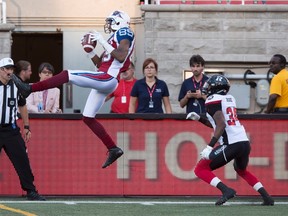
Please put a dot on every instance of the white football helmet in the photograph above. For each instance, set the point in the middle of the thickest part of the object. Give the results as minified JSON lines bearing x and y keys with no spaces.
{"x":118,"y":19}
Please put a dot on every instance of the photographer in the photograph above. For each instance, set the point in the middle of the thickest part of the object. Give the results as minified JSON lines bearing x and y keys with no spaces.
{"x":190,"y":92}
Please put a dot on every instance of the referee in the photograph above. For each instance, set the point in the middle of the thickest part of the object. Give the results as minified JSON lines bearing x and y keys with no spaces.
{"x":11,"y":139}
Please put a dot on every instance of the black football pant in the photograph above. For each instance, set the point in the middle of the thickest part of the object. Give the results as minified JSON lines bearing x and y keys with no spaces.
{"x":223,"y":154}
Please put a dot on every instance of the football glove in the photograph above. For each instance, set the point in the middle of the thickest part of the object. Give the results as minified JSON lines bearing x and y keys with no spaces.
{"x":193,"y":116}
{"x":96,"y":36}
{"x":206,"y":152}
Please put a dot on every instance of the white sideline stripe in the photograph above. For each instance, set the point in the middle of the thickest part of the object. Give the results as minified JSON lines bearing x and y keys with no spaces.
{"x":138,"y":202}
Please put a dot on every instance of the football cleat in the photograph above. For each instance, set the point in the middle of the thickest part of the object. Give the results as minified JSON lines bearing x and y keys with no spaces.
{"x":34,"y":195}
{"x":23,"y":88}
{"x":228,"y":194}
{"x":113,"y":155}
{"x":267,"y":201}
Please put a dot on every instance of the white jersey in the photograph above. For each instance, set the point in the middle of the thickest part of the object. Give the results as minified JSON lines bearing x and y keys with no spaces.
{"x":111,"y":65}
{"x":234,"y":131}
{"x":104,"y":81}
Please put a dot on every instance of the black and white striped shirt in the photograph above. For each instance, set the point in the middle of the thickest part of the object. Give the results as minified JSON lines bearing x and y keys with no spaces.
{"x":9,"y":102}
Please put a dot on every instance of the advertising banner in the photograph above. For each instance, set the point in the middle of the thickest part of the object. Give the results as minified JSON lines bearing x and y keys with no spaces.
{"x":159,"y":158}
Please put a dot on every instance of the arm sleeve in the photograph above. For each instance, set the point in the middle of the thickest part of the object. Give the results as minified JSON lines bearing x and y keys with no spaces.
{"x":125,"y":33}
{"x":134,"y":91}
{"x":166,"y":90}
{"x":21,"y":100}
{"x":275,"y":87}
{"x":182,"y":92}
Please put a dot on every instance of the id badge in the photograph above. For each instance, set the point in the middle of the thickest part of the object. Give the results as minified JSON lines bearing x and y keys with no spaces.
{"x":151,"y":104}
{"x":123,"y":99}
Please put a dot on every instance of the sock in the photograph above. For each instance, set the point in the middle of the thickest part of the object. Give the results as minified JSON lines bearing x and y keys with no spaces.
{"x":52,"y":82}
{"x":248,"y":177}
{"x":253,"y":181}
{"x":100,"y":131}
{"x":222,"y":187}
{"x":263,"y":192}
{"x":203,"y":171}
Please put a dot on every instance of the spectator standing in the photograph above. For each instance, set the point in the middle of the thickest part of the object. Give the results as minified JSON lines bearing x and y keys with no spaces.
{"x":121,"y":95}
{"x":46,"y":101}
{"x":234,"y":144}
{"x":278,"y":98}
{"x":11,"y":139}
{"x":23,"y":70}
{"x":190,"y":93}
{"x":149,"y":92}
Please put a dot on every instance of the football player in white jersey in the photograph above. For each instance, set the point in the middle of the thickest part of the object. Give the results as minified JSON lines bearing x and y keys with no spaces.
{"x":234,"y":145}
{"x":114,"y":60}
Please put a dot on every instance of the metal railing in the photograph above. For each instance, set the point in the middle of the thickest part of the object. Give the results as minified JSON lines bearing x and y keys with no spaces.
{"x":236,"y":2}
{"x":3,"y":11}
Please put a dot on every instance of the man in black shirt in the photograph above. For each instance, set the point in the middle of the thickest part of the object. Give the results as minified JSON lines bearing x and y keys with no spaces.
{"x":11,"y":139}
{"x":190,"y":93}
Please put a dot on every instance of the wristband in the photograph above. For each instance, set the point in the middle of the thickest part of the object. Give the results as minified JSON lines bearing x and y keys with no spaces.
{"x":91,"y":54}
{"x":27,"y":127}
{"x":107,"y":47}
{"x":213,"y":141}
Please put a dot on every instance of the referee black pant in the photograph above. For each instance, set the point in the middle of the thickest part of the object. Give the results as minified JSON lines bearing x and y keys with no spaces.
{"x":13,"y":144}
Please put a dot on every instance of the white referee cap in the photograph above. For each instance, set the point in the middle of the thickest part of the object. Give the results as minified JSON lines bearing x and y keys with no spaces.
{"x":6,"y":62}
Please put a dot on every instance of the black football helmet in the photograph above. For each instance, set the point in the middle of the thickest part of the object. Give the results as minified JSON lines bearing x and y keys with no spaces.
{"x":216,"y":84}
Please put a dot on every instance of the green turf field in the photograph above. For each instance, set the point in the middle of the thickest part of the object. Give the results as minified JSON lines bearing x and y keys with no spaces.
{"x":140,"y":206}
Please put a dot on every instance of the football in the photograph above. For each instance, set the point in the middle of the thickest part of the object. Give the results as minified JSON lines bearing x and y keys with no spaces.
{"x":87,"y":44}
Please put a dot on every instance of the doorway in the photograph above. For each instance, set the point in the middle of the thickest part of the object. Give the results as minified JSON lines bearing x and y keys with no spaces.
{"x":37,"y":48}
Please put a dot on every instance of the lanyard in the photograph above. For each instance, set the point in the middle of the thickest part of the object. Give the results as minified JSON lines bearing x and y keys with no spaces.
{"x":151,"y":91}
{"x":194,"y":83}
{"x":124,"y":89}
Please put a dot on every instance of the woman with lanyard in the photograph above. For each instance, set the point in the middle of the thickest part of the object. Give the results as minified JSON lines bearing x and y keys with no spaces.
{"x":149,"y":92}
{"x":190,"y":93}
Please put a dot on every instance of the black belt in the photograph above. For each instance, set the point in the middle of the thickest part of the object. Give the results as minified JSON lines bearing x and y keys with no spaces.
{"x":281,"y":110}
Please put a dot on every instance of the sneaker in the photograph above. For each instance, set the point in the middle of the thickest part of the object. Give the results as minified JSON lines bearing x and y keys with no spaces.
{"x":23,"y":88}
{"x":33,"y":195}
{"x":228,"y":194}
{"x":114,"y":154}
{"x":268,"y":201}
